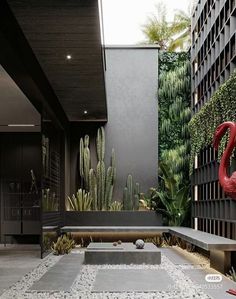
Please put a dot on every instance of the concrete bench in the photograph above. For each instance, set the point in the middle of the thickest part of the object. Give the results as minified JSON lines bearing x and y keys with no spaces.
{"x":117,"y":230}
{"x":220,"y":248}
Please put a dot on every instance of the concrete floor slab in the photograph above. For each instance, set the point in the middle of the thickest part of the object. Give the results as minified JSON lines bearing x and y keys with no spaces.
{"x":15,"y":262}
{"x":179,"y":258}
{"x":132,"y":280}
{"x":62,"y":275}
{"x":215,"y":290}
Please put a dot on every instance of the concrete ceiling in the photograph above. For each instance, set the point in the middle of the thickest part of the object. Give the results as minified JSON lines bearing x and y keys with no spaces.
{"x":15,"y":108}
{"x":55,"y":29}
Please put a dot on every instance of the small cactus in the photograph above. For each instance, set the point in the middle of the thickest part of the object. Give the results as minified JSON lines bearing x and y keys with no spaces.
{"x":116,"y":206}
{"x":131,"y":195}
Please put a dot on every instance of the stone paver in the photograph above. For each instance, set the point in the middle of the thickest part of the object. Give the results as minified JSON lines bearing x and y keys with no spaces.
{"x":62,"y":275}
{"x":178,"y":257}
{"x":132,"y":280}
{"x":15,"y":262}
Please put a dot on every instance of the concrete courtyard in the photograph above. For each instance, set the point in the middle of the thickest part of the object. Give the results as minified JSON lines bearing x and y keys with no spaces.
{"x":180,"y":275}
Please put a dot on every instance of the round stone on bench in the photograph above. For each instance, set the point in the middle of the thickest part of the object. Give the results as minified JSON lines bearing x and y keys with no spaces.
{"x":139,"y":244}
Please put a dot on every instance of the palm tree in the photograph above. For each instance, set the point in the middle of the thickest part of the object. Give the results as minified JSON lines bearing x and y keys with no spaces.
{"x":168,"y":35}
{"x":182,"y":25}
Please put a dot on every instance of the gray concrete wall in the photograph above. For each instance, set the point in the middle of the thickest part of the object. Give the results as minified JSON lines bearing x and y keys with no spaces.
{"x":131,"y":85}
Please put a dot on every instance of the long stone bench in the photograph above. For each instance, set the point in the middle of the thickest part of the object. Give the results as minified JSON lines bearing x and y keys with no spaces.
{"x":220,"y":248}
{"x":101,"y":230}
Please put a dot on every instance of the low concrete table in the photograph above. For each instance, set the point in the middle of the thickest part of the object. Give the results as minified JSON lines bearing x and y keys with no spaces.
{"x":125,"y":253}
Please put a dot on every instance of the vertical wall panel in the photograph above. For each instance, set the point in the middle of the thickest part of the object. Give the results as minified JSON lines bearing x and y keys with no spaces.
{"x":132,"y":128}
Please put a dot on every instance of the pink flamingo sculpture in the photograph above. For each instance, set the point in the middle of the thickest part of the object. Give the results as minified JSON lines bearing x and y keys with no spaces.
{"x":227,"y":183}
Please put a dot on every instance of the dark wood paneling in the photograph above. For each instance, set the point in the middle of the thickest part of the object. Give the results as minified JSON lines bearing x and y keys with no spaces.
{"x":55,"y":29}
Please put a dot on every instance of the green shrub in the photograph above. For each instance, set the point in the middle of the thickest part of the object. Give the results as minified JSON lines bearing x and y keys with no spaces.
{"x":220,"y":108}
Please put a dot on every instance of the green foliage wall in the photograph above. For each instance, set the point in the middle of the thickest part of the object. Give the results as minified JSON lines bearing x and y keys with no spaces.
{"x":220,"y":108}
{"x":174,"y":111}
{"x":168,"y":61}
{"x":174,"y":87}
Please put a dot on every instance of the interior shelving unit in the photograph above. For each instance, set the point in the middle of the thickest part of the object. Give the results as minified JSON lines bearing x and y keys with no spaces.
{"x":21,"y":209}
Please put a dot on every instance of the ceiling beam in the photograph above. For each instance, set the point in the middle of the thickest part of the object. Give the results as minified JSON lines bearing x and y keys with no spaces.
{"x":18,"y":59}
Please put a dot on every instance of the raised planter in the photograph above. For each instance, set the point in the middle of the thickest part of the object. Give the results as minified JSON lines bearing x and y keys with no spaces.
{"x":113,"y":218}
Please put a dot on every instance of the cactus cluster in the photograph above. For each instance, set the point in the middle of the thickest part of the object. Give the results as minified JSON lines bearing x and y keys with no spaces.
{"x":82,"y":201}
{"x":63,"y":245}
{"x":115,"y":206}
{"x":98,"y":183}
{"x":131,"y":195}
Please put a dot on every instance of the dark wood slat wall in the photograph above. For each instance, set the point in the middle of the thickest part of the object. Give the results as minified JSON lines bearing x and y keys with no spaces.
{"x":58,"y":28}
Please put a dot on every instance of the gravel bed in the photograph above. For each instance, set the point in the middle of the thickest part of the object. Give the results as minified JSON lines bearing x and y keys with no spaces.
{"x":83,"y":284}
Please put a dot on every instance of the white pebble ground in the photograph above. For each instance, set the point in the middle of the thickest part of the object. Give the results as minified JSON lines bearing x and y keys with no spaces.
{"x":83,"y":284}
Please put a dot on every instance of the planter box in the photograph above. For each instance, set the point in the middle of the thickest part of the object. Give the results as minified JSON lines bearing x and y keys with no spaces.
{"x":113,"y":218}
{"x":126,"y":253}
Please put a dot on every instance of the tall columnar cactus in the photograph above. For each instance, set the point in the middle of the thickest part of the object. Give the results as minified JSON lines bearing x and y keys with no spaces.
{"x":101,"y":144}
{"x":93,"y":188}
{"x":110,"y":181}
{"x":126,"y":201}
{"x":113,"y":164}
{"x":131,"y":195}
{"x":136,"y":197}
{"x":101,"y":179}
{"x":86,"y":162}
{"x":81,"y":160}
{"x":99,"y":183}
{"x":101,"y":168}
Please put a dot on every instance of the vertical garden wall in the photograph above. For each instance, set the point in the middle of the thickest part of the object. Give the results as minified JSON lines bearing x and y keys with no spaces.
{"x":174,"y":95}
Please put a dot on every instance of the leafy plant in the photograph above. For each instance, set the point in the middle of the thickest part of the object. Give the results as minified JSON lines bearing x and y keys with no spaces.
{"x":116,"y":206}
{"x":82,"y":201}
{"x":172,"y":200}
{"x":232,"y":274}
{"x":220,"y":108}
{"x":63,"y":245}
{"x":148,"y":201}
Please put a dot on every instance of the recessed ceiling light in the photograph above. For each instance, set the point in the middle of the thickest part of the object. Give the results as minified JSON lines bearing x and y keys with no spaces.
{"x":68,"y":57}
{"x":85,"y":112}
